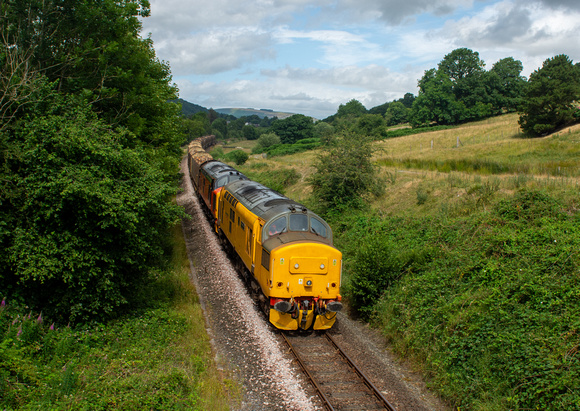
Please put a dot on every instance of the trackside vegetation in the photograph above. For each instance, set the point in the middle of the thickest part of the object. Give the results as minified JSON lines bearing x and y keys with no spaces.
{"x":487,"y":303}
{"x":97,"y":310}
{"x":158,"y":357}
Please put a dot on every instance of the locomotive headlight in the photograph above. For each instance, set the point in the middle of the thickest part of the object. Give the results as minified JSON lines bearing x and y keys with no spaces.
{"x":296,"y":266}
{"x":322,"y":266}
{"x":309,"y":283}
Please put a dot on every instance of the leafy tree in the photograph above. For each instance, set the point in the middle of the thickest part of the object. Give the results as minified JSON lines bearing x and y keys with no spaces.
{"x":466,"y":71}
{"x":461,"y":90}
{"x":267,"y":121}
{"x":506,"y":84}
{"x":461,"y":64}
{"x":381,"y":109}
{"x":268,"y":139}
{"x":221,"y":126}
{"x":250,"y":132}
{"x":436,"y":102}
{"x":371,"y":125}
{"x":87,"y":215}
{"x":196,"y":126}
{"x":90,"y":146}
{"x":345,"y":175}
{"x":293,"y":128}
{"x":324,"y":132}
{"x":95,"y":50}
{"x":353,"y":108}
{"x":552,"y":95}
{"x":212,"y":115}
{"x":253,"y":119}
{"x":407,"y":100}
{"x":397,"y":113}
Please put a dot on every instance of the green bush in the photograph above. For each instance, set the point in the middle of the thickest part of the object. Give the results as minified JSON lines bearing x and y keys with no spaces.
{"x":267,"y":140}
{"x":89,"y":217}
{"x":487,"y":303}
{"x":376,"y":266}
{"x":345,"y":176}
{"x":237,"y":156}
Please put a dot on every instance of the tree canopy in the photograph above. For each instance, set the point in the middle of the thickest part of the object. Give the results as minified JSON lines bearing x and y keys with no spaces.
{"x":461,"y":90}
{"x":90,"y":147}
{"x":293,"y":128}
{"x":552,"y":97}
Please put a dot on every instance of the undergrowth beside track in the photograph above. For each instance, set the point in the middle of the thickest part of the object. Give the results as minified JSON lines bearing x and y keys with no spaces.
{"x":488,"y":303}
{"x":156,"y":358}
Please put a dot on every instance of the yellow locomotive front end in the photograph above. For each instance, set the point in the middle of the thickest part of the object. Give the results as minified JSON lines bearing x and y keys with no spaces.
{"x":304,"y":285}
{"x":285,"y":252}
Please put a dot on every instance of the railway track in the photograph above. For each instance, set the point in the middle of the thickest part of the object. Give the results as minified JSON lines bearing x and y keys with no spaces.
{"x":339,"y":383}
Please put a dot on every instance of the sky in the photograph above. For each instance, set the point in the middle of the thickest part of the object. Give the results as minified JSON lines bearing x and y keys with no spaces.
{"x":311,"y":56}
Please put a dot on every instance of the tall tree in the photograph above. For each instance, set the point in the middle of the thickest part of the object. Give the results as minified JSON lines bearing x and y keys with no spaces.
{"x":293,"y":128}
{"x":353,"y":108}
{"x":90,"y":148}
{"x":466,"y":71}
{"x":94,"y":49}
{"x":551,"y":98}
{"x":397,"y":113}
{"x":506,"y":84}
{"x":436,"y":102}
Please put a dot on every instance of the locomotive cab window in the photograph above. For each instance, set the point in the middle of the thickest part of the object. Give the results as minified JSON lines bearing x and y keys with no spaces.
{"x":317,"y":227}
{"x":298,"y":222}
{"x":277,"y":226}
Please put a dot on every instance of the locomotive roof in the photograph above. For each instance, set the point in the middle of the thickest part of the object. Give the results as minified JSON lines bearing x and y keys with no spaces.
{"x":261,"y":200}
{"x":217,"y":169}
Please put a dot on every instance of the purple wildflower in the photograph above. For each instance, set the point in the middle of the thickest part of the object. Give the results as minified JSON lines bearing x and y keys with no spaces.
{"x":19,"y":331}
{"x":3,"y":304}
{"x":52,"y":327}
{"x":39,"y":319}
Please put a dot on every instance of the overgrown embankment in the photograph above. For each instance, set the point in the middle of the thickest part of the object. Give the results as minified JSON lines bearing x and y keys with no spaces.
{"x":159,"y":357}
{"x":487,"y":304}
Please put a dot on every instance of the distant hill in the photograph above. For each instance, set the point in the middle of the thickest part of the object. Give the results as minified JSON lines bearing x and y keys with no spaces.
{"x":244,"y":112}
{"x":187,"y":108}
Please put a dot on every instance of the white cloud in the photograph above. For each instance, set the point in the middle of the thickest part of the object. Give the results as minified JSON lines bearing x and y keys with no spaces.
{"x":215,"y":51}
{"x":526,"y":31}
{"x":338,"y":47}
{"x":316,"y":92}
{"x":310,"y":56}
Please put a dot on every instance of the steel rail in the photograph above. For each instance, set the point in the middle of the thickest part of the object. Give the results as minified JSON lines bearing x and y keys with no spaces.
{"x":327,"y":404}
{"x":363,"y":377}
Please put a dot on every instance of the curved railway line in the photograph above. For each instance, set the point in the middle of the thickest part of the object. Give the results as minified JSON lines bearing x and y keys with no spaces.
{"x":338,"y":382}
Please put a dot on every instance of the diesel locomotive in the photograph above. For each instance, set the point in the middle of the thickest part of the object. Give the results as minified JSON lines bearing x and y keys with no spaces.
{"x":281,"y":248}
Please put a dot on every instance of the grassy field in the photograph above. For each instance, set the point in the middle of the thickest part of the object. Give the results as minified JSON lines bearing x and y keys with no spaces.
{"x":158,"y":358}
{"x":433,"y":170}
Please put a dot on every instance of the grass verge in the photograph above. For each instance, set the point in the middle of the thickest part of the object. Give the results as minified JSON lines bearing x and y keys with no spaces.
{"x":158,"y":358}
